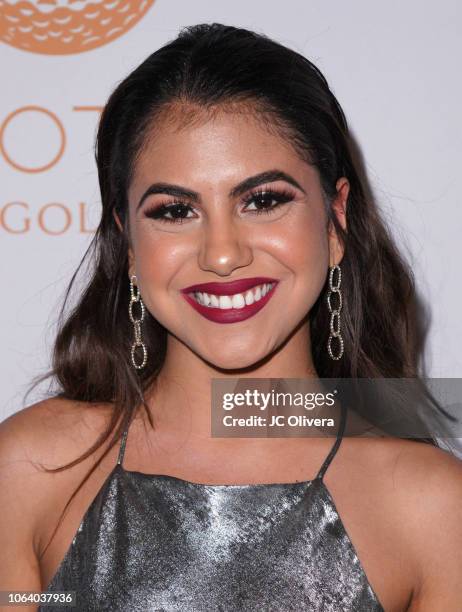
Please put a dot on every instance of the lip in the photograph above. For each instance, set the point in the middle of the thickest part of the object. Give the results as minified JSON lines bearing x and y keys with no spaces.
{"x":231,"y":315}
{"x":231,"y":287}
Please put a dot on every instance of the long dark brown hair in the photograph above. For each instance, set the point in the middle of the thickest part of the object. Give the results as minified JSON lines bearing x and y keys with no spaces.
{"x":208,"y":65}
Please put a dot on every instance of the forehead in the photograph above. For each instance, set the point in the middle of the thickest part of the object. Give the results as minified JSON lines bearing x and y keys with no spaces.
{"x":190,"y":143}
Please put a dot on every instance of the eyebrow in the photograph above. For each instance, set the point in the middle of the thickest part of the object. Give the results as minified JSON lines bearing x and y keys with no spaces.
{"x":248,"y":183}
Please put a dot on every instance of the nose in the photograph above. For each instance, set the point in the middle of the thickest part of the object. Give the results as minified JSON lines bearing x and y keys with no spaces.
{"x":225,"y":247}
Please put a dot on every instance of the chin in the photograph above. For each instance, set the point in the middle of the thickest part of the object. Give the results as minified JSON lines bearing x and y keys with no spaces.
{"x":234,"y":358}
{"x":227,"y":363}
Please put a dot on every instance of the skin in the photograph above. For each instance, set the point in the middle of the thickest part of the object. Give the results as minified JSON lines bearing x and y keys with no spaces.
{"x":390,"y":493}
{"x":223,"y":239}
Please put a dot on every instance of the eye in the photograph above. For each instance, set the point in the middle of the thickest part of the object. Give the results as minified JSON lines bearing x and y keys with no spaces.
{"x":264,"y":201}
{"x":175,"y":212}
{"x":267,"y":200}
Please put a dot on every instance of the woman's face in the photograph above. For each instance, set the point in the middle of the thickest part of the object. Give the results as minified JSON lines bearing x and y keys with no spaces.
{"x":220,"y":200}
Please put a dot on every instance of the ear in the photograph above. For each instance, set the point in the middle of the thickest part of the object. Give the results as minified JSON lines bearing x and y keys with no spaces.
{"x":339,"y":206}
{"x":131,"y":263}
{"x":131,"y":257}
{"x":117,"y":220}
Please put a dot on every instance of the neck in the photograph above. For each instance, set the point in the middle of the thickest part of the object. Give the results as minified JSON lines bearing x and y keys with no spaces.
{"x":180,"y":399}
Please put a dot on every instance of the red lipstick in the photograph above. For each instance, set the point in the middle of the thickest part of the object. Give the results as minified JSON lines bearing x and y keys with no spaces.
{"x":229,"y":315}
{"x":231,"y":287}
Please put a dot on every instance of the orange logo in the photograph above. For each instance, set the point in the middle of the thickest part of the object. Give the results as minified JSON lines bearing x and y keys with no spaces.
{"x":63,"y":27}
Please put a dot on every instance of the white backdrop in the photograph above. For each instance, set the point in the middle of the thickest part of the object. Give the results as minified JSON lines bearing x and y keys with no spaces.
{"x":395,"y":68}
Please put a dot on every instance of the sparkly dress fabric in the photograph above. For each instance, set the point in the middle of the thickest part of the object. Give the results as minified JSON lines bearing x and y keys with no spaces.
{"x":153,"y":542}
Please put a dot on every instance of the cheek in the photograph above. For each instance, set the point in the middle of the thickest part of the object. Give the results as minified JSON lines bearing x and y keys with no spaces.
{"x":301,"y":242}
{"x":156,"y":256}
{"x":157,"y":259}
{"x":303,"y":249}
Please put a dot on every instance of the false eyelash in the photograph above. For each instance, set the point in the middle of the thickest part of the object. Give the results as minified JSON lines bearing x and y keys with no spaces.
{"x":158,"y":212}
{"x":281,"y":196}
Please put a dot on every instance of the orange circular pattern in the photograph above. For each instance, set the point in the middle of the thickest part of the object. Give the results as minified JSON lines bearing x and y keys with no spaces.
{"x":57,"y":122}
{"x":43,"y":26}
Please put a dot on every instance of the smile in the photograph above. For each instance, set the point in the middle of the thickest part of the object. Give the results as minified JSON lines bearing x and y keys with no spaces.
{"x":230,"y":302}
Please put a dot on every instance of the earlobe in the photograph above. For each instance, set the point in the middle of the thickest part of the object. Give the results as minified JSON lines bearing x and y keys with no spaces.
{"x":339,"y":207}
{"x":336,"y":250}
{"x":117,"y":220}
{"x":131,"y":259}
{"x":339,"y":204}
{"x":131,"y":263}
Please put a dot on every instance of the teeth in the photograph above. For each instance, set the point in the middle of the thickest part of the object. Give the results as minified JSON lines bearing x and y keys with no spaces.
{"x":249,"y":299}
{"x":225,"y":302}
{"x":237,"y":300}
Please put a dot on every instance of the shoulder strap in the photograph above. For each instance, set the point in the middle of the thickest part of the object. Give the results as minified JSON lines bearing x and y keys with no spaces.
{"x":320,"y":474}
{"x":122,"y":445}
{"x":334,"y":448}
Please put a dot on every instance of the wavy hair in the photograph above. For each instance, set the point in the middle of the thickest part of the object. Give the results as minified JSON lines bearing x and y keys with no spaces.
{"x":207,"y":66}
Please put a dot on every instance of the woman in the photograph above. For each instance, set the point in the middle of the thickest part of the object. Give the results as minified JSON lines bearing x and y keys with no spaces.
{"x":224,"y":161}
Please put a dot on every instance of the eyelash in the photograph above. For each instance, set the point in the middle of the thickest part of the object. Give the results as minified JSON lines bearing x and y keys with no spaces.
{"x":281,"y":196}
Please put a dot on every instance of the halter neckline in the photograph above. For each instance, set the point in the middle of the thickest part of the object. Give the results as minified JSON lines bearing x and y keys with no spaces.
{"x":319,"y":475}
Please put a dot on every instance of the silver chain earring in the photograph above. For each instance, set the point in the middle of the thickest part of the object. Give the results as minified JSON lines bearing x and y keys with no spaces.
{"x":335,"y":312}
{"x":135,"y":297}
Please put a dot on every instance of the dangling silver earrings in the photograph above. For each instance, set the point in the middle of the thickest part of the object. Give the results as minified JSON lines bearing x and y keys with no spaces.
{"x":135,"y":296}
{"x":335,"y":312}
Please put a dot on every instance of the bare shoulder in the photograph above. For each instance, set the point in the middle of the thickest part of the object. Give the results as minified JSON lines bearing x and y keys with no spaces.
{"x":413,"y":470}
{"x":436,"y":498}
{"x":47,"y":434}
{"x":421,"y":485}
{"x":412,"y":459}
{"x":42,"y":437}
{"x":427,"y":473}
{"x":50,"y":432}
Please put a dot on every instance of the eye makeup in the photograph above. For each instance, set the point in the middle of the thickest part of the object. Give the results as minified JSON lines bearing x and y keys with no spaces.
{"x":270,"y":199}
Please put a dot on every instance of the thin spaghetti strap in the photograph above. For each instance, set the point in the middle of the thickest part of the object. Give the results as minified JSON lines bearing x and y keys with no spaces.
{"x":122,"y":445}
{"x":334,"y":449}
